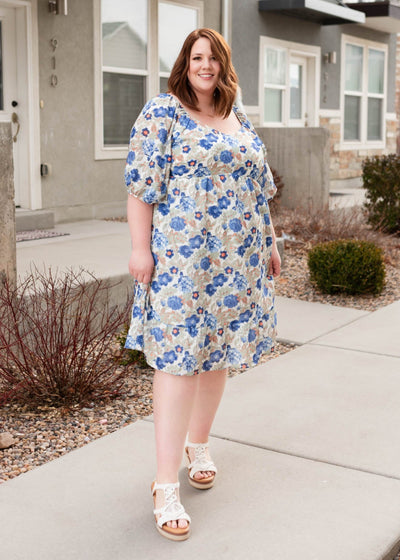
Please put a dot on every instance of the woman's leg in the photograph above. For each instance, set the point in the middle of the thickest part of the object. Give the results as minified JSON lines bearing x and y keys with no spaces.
{"x":208,"y":396}
{"x":173,"y":399}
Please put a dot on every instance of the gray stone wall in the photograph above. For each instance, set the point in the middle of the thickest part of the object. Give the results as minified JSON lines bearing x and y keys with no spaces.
{"x":8,"y":267}
{"x":301,"y":158}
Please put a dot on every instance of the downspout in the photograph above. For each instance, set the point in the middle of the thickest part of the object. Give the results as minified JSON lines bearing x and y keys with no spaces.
{"x":225,"y":17}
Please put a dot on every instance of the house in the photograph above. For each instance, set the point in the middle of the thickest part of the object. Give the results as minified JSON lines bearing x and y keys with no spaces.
{"x":73,"y":76}
{"x":75,"y":73}
{"x":312,"y":63}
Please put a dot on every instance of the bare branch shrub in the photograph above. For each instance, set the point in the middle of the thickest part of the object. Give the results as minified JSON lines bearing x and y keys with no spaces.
{"x":316,"y":226}
{"x":55,"y":331}
{"x":275,"y":202}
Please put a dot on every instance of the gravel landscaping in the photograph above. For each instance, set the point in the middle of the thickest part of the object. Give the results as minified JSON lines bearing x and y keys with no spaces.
{"x":294,"y":281}
{"x":44,"y":433}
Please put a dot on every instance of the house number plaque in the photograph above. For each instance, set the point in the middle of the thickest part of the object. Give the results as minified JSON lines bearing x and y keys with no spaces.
{"x":53,"y":77}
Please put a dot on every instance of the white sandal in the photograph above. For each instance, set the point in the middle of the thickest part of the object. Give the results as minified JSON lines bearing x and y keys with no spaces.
{"x":172,"y":510}
{"x":200,"y":464}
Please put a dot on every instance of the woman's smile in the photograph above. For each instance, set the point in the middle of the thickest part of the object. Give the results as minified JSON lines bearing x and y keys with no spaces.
{"x":204,"y":68}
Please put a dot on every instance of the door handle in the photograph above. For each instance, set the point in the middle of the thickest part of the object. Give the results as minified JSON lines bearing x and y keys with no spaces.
{"x":15,"y":120}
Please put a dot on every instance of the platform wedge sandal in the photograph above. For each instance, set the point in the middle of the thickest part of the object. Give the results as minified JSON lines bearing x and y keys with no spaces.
{"x":172,"y":510}
{"x":200,"y":463}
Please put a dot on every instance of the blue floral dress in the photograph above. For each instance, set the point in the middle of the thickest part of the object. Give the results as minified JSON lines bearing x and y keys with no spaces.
{"x":210,"y":303}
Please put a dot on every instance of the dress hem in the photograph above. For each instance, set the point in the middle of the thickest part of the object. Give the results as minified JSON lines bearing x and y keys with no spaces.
{"x":242,"y":367}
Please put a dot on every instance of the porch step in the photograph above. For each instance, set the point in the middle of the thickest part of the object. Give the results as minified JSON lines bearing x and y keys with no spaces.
{"x":28,"y":220}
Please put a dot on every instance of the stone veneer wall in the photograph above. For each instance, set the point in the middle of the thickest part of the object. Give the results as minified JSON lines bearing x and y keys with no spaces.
{"x":346,"y":164}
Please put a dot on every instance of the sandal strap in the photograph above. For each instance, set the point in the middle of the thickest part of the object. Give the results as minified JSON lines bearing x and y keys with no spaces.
{"x":172,"y":510}
{"x":200,"y":462}
{"x":157,"y":486}
{"x":195,"y":445}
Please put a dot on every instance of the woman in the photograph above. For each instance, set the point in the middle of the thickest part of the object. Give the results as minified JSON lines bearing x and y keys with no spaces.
{"x":203,"y":257}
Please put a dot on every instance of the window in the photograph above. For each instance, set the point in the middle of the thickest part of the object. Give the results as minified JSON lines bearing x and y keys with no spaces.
{"x":136,"y":45}
{"x":364,"y":91}
{"x":169,"y":44}
{"x":274,"y":84}
{"x":124,"y":42}
{"x":289,"y":78}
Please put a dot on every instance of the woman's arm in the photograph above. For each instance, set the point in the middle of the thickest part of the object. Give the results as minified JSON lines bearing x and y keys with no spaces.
{"x":274,"y":266}
{"x":141,"y":262}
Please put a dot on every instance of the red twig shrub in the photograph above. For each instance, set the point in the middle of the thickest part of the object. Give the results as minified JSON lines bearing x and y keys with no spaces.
{"x":274,"y":204}
{"x":55,"y":332}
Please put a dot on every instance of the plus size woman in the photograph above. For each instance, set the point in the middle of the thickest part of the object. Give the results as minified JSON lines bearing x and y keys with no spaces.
{"x":203,"y":257}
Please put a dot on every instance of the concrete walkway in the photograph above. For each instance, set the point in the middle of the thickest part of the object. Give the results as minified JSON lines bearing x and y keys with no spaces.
{"x":307,"y":448}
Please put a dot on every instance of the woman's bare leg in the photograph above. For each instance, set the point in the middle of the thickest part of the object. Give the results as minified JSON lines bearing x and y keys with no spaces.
{"x":173,"y":399}
{"x":207,"y":398}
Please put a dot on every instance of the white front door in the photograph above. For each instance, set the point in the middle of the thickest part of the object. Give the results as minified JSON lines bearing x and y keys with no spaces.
{"x":298,"y":91}
{"x":14,"y":95}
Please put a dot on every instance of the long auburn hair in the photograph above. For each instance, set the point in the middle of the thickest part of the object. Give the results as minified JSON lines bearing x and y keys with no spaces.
{"x":225,"y":91}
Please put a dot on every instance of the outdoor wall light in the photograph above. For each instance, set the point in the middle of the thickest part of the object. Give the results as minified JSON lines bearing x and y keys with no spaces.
{"x":45,"y":169}
{"x":330,"y":57}
{"x":58,"y":7}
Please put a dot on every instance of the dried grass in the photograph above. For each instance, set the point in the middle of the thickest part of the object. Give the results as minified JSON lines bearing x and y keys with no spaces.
{"x":311,"y":226}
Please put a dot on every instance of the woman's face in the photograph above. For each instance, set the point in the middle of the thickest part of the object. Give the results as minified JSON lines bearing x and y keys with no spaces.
{"x":204,"y":69}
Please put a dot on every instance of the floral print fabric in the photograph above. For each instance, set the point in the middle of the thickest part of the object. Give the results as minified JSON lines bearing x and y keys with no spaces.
{"x":210,"y":304}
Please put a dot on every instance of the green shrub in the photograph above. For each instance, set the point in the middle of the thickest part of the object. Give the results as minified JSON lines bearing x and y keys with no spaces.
{"x":381,"y":179}
{"x":347,"y":266}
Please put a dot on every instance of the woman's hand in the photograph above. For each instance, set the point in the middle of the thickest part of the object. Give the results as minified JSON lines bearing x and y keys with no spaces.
{"x":274,"y":266}
{"x":141,"y":265}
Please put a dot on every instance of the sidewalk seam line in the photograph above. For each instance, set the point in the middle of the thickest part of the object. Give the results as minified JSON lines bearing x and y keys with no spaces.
{"x":354,"y":350}
{"x":341,"y":326}
{"x":342,"y":466}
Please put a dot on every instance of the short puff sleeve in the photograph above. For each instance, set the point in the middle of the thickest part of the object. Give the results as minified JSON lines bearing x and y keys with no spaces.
{"x":150,"y":153}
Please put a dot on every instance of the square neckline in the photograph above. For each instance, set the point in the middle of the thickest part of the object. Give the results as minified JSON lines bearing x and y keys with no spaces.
{"x":235,"y":109}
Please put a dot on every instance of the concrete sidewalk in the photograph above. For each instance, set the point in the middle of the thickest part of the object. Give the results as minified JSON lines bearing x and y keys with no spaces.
{"x":307,"y":448}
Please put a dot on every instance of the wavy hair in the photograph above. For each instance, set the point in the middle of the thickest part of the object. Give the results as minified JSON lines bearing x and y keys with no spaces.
{"x":225,"y":91}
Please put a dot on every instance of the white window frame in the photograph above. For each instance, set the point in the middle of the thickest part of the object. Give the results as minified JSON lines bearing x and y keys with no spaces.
{"x":313,"y":55}
{"x":152,"y":74}
{"x":195,"y":4}
{"x":363,"y":143}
